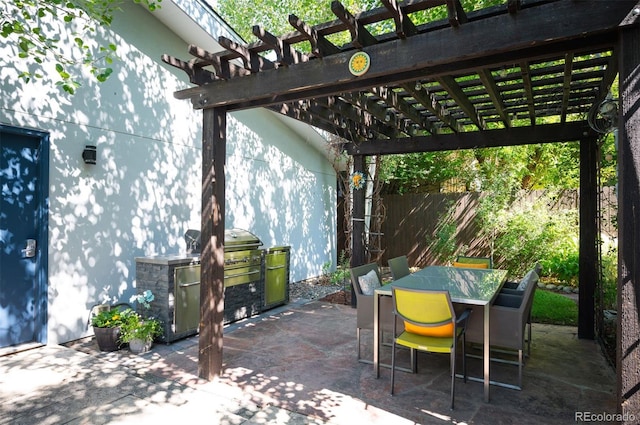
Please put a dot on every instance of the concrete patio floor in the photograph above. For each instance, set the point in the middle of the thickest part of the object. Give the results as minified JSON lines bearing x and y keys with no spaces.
{"x":297,"y":365}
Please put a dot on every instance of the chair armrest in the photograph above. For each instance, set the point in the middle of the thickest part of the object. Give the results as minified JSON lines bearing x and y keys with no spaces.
{"x":508,"y":291}
{"x":510,"y":285}
{"x":461,"y":320}
{"x":506,"y":300}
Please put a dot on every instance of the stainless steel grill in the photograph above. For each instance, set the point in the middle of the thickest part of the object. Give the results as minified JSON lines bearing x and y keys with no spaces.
{"x":242,"y":258}
{"x":243,"y":278}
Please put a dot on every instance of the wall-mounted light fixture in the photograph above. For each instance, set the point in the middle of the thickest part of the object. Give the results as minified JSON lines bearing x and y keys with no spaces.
{"x":89,"y":154}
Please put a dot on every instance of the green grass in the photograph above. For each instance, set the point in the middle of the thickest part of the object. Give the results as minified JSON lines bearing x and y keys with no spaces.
{"x":549,"y":307}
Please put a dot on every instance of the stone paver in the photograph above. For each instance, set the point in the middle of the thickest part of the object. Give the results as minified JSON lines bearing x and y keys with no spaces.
{"x":295,"y":365}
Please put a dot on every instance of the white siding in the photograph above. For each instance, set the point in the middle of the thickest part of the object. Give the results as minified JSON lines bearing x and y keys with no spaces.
{"x":144,"y":191}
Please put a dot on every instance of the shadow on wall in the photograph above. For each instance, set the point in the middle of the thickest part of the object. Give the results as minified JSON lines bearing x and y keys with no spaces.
{"x":144,"y":191}
{"x":283,"y":193}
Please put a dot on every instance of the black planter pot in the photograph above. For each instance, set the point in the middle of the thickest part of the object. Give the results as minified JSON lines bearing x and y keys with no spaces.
{"x":108,"y":339}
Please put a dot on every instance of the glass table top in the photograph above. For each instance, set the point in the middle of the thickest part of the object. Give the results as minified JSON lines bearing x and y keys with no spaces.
{"x":469,"y":286}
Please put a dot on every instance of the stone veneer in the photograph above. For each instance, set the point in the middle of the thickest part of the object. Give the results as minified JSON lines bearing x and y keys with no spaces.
{"x":157,"y":274}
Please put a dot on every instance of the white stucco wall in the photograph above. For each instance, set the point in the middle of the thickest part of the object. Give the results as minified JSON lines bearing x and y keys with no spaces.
{"x":144,"y":191}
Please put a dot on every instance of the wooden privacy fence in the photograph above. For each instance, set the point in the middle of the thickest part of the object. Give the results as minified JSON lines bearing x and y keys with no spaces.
{"x":413,"y":226}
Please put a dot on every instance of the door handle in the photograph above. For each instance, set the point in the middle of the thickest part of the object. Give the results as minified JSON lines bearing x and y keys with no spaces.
{"x":30,"y":250}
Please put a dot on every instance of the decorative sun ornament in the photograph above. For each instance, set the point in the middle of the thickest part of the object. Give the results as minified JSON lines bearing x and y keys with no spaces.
{"x":357,"y":180}
{"x":359,"y":63}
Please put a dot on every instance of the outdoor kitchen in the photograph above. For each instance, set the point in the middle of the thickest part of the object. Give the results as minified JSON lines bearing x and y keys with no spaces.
{"x":255,"y":279}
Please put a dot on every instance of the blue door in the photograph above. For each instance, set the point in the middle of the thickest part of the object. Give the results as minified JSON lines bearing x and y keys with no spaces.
{"x":23,"y":243}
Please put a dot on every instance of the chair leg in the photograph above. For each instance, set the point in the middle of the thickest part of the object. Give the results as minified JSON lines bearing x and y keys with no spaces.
{"x":393,"y":363}
{"x":358,"y":339}
{"x":520,"y":364}
{"x":529,"y":338}
{"x":464,"y":359}
{"x":453,"y":372}
{"x":414,"y":360}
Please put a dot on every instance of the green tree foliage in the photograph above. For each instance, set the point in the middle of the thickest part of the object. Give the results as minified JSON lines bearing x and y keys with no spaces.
{"x":425,"y":172}
{"x":22,"y":24}
{"x":273,"y":15}
{"x":525,"y":230}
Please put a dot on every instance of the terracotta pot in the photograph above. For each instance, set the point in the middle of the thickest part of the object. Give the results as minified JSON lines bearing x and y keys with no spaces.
{"x":108,"y":339}
{"x":140,"y":346}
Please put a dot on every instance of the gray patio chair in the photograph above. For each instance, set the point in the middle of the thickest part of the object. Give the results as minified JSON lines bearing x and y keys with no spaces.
{"x":509,"y":316}
{"x":399,"y":267}
{"x":365,"y":299}
{"x":517,"y":288}
{"x":513,"y":285}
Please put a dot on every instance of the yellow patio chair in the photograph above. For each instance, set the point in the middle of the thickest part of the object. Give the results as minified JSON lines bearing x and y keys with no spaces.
{"x":399,"y":267}
{"x":430,"y":325}
{"x":473,"y":262}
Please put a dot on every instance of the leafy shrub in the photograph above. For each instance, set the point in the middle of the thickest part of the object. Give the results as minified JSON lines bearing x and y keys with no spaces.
{"x":526,"y":232}
{"x":340,"y":274}
{"x":563,"y":264}
{"x":111,"y":318}
{"x":610,"y":277}
{"x":137,"y":327}
{"x":444,"y":242}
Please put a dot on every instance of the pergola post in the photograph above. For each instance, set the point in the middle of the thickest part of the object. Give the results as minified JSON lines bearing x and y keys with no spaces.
{"x":357,"y":222}
{"x":588,"y":261}
{"x":214,"y":143}
{"x":628,"y":349}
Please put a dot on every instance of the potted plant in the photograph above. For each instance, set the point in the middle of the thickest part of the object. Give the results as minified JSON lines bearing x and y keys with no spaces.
{"x":107,"y":325}
{"x":138,"y":331}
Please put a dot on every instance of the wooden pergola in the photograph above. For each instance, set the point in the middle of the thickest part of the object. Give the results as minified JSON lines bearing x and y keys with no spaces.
{"x":525,"y":72}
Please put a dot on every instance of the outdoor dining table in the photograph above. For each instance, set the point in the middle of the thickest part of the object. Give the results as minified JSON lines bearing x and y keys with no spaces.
{"x":468,"y":286}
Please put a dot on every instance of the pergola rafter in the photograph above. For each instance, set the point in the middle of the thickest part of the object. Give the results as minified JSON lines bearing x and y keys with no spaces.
{"x":506,"y":66}
{"x":493,"y":77}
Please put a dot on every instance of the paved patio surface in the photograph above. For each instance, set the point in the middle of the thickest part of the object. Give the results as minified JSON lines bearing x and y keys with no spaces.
{"x":297,"y":365}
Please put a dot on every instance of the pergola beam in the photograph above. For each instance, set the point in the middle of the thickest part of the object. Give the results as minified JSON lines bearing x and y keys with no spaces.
{"x":224,"y":69}
{"x":396,"y":61}
{"x":550,"y":133}
{"x":404,"y":25}
{"x":456,"y":13}
{"x":462,"y":100}
{"x":392,"y":98}
{"x":320,"y":46}
{"x":360,"y":37}
{"x":286,"y":54}
{"x":492,"y":89}
{"x":528,"y":90}
{"x":566,"y":85}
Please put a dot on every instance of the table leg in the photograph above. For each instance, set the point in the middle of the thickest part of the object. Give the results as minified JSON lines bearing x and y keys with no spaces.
{"x":486,"y":352}
{"x":376,"y":335}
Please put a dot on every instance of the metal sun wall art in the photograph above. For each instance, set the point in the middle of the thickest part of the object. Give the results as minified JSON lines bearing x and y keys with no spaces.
{"x":357,"y":180}
{"x":359,"y":63}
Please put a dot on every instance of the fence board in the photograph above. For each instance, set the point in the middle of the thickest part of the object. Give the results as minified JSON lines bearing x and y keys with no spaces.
{"x":411,"y":226}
